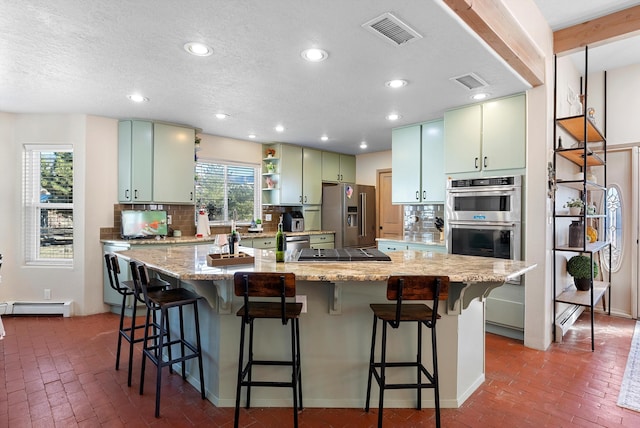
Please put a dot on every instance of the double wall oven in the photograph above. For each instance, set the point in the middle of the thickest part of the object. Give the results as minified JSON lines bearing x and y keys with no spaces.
{"x":484,"y":217}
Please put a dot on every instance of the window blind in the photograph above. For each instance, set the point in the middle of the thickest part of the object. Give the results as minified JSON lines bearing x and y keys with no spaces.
{"x":48,"y":204}
{"x":224,"y":188}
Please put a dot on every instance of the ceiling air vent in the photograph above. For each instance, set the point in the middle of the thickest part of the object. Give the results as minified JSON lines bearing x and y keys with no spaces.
{"x":470,"y":81}
{"x":391,"y":29}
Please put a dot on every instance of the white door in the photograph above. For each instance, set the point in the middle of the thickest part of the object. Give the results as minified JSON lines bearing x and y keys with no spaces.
{"x":620,"y":167}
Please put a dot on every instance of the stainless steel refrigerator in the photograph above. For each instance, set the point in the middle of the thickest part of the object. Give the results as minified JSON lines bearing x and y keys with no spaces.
{"x":350,"y":210}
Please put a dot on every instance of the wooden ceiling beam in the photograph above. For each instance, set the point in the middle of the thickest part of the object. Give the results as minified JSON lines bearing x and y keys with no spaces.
{"x":493,"y":22}
{"x":599,"y":30}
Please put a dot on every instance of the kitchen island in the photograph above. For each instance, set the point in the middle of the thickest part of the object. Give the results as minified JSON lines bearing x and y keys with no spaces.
{"x":336,"y":327}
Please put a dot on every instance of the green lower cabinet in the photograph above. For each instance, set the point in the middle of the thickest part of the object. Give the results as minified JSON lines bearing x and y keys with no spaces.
{"x":323,"y":241}
{"x":264,"y":243}
{"x":390,"y":246}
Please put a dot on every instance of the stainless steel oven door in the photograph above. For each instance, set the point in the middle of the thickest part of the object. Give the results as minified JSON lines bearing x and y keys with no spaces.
{"x":499,"y":205}
{"x":485,"y":239}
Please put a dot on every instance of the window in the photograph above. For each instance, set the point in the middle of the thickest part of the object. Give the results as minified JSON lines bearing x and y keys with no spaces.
{"x":48,"y":204}
{"x":224,"y":189}
{"x":614,"y":228}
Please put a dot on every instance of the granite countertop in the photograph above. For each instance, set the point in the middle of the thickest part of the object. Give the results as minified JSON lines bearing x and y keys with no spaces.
{"x":207,"y":239}
{"x":189,"y":263}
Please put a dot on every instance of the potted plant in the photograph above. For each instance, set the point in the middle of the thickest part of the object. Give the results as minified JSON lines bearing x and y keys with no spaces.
{"x":575,"y":206}
{"x":579,"y":268}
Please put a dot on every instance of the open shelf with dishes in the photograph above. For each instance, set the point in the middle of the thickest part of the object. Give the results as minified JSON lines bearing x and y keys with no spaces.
{"x":585,"y":242}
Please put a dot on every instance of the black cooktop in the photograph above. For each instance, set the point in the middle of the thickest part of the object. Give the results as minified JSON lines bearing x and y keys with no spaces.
{"x":343,"y":255}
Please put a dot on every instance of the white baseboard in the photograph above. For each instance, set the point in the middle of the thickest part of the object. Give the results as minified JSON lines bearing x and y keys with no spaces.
{"x":39,"y":308}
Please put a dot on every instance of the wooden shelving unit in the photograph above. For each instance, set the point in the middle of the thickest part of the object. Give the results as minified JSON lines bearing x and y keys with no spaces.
{"x":587,"y":138}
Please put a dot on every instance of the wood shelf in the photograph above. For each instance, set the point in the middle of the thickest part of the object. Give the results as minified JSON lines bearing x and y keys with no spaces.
{"x":576,"y":155}
{"x":590,"y":248}
{"x":583,"y":298}
{"x":580,"y":184}
{"x":574,"y":125}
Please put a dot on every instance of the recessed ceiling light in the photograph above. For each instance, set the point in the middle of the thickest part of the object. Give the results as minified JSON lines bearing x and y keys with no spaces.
{"x":479,"y":96}
{"x":198,"y":49}
{"x":222,"y":116}
{"x":363,"y":145}
{"x":137,"y":98}
{"x":397,"y":83}
{"x":393,"y":116}
{"x":279,"y":128}
{"x":314,"y":55}
{"x":252,"y":136}
{"x":324,"y":138}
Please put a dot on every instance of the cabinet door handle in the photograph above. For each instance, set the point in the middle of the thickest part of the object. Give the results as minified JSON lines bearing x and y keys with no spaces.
{"x":305,"y":199}
{"x":484,"y":163}
{"x":417,"y":195}
{"x":476,"y":163}
{"x":126,"y":194}
{"x":191,"y":196}
{"x":424,"y":195}
{"x":135,"y":194}
{"x":300,"y":198}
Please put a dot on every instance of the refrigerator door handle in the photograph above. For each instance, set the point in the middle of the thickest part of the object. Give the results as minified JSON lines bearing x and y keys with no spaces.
{"x":363,"y":214}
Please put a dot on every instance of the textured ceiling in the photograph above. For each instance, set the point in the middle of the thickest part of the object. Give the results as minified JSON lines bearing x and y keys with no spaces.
{"x":73,"y":56}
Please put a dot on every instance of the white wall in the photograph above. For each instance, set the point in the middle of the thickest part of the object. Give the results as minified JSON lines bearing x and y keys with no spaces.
{"x":229,"y":149}
{"x":22,"y":282}
{"x":368,"y":164}
{"x":538,"y":309}
{"x":623,"y":105}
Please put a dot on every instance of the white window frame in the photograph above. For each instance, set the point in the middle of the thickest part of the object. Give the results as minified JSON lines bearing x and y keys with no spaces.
{"x":257,"y":193}
{"x":32,"y":205}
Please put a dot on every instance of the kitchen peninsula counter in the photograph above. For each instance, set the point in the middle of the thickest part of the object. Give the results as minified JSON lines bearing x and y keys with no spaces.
{"x":336,"y":325}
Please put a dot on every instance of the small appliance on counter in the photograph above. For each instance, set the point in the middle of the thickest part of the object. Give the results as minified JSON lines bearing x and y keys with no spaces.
{"x":202,"y":225}
{"x":293,"y":221}
{"x":143,"y":224}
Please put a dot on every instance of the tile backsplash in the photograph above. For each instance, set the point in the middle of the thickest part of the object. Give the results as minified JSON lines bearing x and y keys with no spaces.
{"x":419,"y":222}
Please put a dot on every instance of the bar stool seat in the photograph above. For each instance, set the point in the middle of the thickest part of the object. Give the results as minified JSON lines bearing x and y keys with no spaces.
{"x":127,"y":289}
{"x":268,"y":284}
{"x":400,"y":288}
{"x":159,"y":341}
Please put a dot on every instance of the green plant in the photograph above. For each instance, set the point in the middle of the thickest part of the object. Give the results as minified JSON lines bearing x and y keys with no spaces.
{"x":258,"y":221}
{"x":574,"y":202}
{"x":578,"y":267}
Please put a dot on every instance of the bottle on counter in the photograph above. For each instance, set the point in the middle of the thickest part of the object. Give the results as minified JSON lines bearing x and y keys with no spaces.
{"x":234,"y":242}
{"x":280,"y":243}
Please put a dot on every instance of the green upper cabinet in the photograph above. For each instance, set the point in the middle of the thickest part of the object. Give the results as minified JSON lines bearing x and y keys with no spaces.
{"x":135,"y":161}
{"x":486,"y":137}
{"x":297,"y":176}
{"x":463,"y":139}
{"x":504,"y":133}
{"x":173,"y":164}
{"x":338,"y":168}
{"x":311,"y":177}
{"x":290,"y":175}
{"x":417,"y":163}
{"x":155,"y":163}
{"x":347,"y":168}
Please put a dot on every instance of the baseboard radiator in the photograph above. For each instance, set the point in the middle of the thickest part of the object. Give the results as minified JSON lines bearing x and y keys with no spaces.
{"x":565,"y":320}
{"x":39,"y":308}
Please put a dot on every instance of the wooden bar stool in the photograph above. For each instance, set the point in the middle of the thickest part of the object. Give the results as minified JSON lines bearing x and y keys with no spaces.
{"x":155,"y":345}
{"x":272,"y":284}
{"x":126,"y":289}
{"x":401,"y":288}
